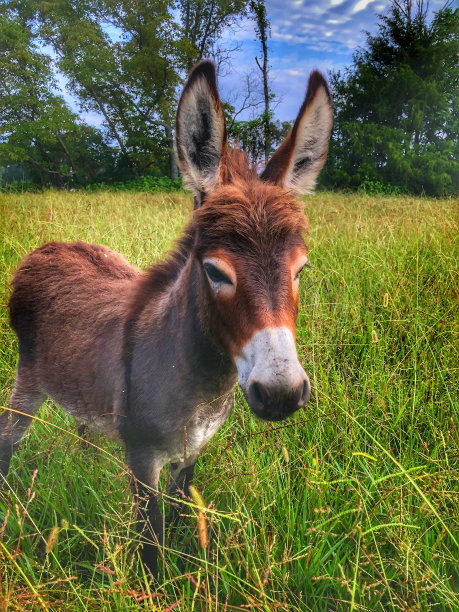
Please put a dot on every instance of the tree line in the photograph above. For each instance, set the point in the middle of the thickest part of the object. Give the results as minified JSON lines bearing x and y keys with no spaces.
{"x":396,"y":108}
{"x":125,"y":60}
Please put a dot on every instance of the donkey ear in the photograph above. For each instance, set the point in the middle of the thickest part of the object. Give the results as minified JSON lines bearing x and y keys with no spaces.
{"x":200,"y":131}
{"x":297,"y":162}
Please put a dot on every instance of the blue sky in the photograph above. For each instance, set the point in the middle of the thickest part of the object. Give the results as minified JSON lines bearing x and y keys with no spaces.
{"x":305,"y":34}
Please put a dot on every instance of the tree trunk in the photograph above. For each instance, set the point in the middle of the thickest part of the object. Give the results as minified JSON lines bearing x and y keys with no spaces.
{"x":39,"y":169}
{"x":55,"y":175}
{"x":259,"y":8}
{"x":173,"y":167}
{"x":67,"y":153}
{"x":113,"y":129}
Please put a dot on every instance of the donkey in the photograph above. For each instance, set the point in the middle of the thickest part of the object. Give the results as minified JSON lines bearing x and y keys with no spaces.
{"x":152,"y":358}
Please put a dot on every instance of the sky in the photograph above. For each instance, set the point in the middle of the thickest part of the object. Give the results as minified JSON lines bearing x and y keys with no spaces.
{"x":305,"y":34}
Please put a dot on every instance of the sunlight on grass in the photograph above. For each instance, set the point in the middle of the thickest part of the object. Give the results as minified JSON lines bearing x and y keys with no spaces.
{"x":352,"y":504}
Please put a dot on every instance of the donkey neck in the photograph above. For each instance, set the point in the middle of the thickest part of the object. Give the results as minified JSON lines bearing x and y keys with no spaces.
{"x":180,"y":313}
{"x":207,"y":358}
{"x":173,"y":354}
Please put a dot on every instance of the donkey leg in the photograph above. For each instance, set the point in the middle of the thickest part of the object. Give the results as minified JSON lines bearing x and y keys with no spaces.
{"x":146,"y":468}
{"x":24,"y":404}
{"x":83,"y":433}
{"x":181,"y":477}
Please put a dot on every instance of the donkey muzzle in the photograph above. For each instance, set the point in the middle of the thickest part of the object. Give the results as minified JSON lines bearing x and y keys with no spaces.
{"x":272,"y":403}
{"x":274,"y":383}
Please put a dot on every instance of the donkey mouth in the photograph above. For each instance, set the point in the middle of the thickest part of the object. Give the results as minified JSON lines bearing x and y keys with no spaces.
{"x":272,"y":415}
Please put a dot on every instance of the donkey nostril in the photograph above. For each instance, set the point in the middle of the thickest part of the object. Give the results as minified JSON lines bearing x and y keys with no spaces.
{"x":258,"y":393}
{"x":306,"y":394}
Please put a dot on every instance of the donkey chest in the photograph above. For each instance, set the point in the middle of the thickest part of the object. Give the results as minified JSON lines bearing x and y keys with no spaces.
{"x":192,"y":435}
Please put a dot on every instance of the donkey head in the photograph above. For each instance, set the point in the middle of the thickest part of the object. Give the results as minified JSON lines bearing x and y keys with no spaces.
{"x":249,"y":238}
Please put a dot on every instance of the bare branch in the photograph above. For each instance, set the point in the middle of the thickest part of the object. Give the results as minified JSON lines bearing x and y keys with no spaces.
{"x":252,"y":98}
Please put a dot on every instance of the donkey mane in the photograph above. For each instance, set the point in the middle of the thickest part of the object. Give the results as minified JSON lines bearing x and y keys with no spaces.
{"x":236,"y":166}
{"x":158,"y":278}
{"x":246,"y":210}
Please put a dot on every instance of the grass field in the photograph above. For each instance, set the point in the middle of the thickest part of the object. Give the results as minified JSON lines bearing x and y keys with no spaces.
{"x":350,"y":505}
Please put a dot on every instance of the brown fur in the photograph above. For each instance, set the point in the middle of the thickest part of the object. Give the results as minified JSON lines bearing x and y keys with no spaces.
{"x":40,"y":286}
{"x":258,"y":225}
{"x":152,"y":356}
{"x":247,"y":210}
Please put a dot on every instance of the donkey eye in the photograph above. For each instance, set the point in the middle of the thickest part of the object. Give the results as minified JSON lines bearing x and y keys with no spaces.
{"x":215,"y":275}
{"x":297,"y":276}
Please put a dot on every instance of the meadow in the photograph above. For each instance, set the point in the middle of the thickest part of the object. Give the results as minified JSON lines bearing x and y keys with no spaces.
{"x":350,"y":505}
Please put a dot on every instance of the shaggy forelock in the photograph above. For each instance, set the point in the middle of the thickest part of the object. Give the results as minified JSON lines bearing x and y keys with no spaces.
{"x":248,"y":210}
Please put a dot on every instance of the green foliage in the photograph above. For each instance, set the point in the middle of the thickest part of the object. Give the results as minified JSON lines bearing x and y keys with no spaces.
{"x":349,"y":505}
{"x":125,"y":61}
{"x":37,"y":129}
{"x":375,"y":187}
{"x":121,"y":59}
{"x":16,"y":186}
{"x":251,"y":135}
{"x":149,"y":184}
{"x":396,"y":108}
{"x":202,"y":23}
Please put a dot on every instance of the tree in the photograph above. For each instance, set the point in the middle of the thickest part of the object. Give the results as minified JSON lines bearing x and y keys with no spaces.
{"x":251,"y":135}
{"x":36,"y":126}
{"x":123,"y":60}
{"x":202,"y":23}
{"x":126,"y":59}
{"x":260,"y":135}
{"x":396,"y":107}
{"x":258,"y":8}
{"x":119,"y":58}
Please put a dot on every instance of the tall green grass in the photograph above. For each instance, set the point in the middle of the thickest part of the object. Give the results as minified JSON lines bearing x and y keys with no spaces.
{"x":352,"y":504}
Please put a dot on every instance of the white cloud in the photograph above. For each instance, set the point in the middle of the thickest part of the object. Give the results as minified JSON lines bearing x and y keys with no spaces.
{"x":361,"y":5}
{"x":296,"y":72}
